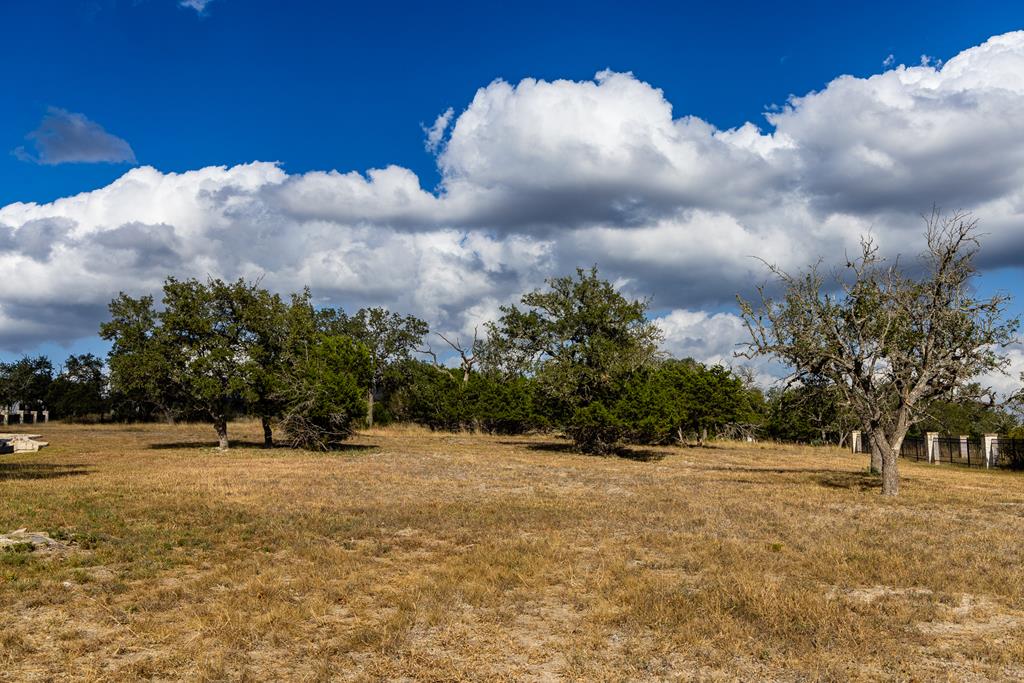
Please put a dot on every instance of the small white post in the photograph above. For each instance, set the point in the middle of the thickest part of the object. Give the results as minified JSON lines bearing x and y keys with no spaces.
{"x":963,"y":447}
{"x":5,"y":417}
{"x":991,"y":449}
{"x":21,"y":417}
{"x":35,"y":417}
{"x":46,"y":416}
{"x":855,"y":441}
{"x":932,"y":443}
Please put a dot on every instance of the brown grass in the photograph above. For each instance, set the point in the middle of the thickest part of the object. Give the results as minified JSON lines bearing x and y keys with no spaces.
{"x":421,"y":556}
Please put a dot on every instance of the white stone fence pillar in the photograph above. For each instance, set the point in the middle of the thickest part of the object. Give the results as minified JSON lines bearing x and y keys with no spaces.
{"x":855,"y":441}
{"x":991,"y":442}
{"x":931,"y":443}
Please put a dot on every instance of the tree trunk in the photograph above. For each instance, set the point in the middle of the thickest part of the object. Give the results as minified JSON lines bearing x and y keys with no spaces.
{"x":168,"y":416}
{"x":221,"y":425}
{"x":876,"y":455}
{"x":890,"y":472}
{"x":268,"y":433}
{"x":369,"y":407}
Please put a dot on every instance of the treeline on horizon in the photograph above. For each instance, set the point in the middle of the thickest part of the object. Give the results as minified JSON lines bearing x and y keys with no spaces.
{"x":576,"y":358}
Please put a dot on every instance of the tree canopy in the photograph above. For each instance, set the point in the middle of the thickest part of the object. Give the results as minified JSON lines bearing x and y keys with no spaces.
{"x":583,"y":341}
{"x":889,"y":339}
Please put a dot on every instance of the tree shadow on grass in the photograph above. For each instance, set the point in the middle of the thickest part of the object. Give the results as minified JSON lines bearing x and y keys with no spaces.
{"x":835,"y":479}
{"x":861,"y":481}
{"x":13,"y":471}
{"x":255,"y":445}
{"x":629,"y":453}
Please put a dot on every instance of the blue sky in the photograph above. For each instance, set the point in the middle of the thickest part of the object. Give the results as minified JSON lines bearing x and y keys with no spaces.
{"x":320,"y":85}
{"x":317,"y":86}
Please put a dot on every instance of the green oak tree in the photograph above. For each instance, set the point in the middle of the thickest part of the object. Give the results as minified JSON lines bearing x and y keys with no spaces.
{"x":582,"y":341}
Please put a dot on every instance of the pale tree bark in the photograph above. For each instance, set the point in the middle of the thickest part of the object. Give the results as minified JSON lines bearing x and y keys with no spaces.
{"x":876,"y":456}
{"x":369,"y":407}
{"x":467,"y":356}
{"x":890,"y":472}
{"x":221,"y":425}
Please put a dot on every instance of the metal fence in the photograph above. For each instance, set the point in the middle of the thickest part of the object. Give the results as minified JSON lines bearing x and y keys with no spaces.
{"x":967,"y":451}
{"x":1009,"y":453}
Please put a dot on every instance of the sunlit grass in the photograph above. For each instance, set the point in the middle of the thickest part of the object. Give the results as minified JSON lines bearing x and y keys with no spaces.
{"x":464,"y":557}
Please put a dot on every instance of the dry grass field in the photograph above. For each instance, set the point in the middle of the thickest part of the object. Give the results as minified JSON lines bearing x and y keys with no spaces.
{"x":420,"y":556}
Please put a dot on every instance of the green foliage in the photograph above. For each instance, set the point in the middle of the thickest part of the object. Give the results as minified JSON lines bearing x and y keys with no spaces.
{"x":322,"y":391}
{"x":140,"y":361}
{"x":26,"y":382}
{"x":218,"y":348}
{"x":440,"y":399}
{"x":966,"y":416}
{"x":811,"y":412}
{"x":651,"y":409}
{"x":677,"y":399}
{"x":389,"y":338}
{"x":79,"y":390}
{"x":582,"y":341}
{"x":213,"y":349}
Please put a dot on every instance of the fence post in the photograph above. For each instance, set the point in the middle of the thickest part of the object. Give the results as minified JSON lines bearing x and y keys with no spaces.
{"x":991,"y":449}
{"x":932,"y":445}
{"x":964,"y":452}
{"x":46,"y":416}
{"x":855,"y":441}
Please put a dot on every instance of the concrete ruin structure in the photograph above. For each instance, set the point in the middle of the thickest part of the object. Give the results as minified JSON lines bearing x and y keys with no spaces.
{"x":21,"y":443}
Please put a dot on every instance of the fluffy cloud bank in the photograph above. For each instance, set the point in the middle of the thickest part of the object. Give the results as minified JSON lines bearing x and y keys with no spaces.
{"x":540,"y":177}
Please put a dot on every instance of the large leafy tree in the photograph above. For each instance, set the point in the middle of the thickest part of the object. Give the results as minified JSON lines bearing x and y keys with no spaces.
{"x":890,"y":340}
{"x":216,"y":348}
{"x":583,"y":341}
{"x":194,"y":355}
{"x":713,"y":396}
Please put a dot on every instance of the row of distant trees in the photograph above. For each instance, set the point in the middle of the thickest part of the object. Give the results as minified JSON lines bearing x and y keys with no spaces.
{"x":694,"y":400}
{"x":577,"y":357}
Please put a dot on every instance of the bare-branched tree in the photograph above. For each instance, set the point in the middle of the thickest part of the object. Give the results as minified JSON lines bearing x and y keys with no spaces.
{"x":888,"y":340}
{"x":468,"y":357}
